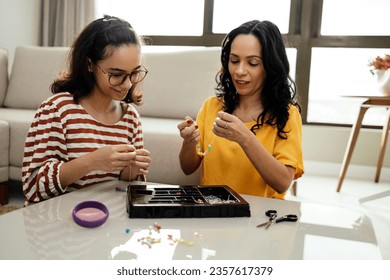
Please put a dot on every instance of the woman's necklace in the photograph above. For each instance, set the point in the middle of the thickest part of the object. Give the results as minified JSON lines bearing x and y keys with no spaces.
{"x":209,"y":146}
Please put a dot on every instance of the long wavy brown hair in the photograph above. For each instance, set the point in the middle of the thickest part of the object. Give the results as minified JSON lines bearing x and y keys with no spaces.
{"x":279,"y":91}
{"x":96,"y":42}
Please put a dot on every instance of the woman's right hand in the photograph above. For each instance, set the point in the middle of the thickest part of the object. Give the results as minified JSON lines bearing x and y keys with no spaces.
{"x":112,"y":158}
{"x":189,"y":131}
{"x":189,"y":160}
{"x":108,"y":158}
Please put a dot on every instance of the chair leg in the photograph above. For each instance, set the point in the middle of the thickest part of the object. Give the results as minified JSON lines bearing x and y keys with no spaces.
{"x":294,"y":188}
{"x":351,"y":145}
{"x":3,"y":194}
{"x":383,"y":146}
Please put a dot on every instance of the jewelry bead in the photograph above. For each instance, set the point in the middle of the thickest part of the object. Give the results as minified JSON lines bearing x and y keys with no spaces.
{"x":209,"y":147}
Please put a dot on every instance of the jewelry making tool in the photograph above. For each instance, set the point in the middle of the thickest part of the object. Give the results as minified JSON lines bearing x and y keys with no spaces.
{"x":272,"y":214}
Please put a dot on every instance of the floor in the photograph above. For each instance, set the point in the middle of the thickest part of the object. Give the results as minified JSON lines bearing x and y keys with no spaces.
{"x":322,"y":190}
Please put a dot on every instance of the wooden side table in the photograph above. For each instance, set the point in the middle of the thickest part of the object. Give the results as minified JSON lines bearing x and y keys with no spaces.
{"x":370,"y":101}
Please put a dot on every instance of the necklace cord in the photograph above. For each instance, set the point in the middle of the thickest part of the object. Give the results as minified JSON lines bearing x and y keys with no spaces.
{"x":206,"y":151}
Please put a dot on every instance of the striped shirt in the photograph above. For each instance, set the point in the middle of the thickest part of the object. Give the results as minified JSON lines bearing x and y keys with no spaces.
{"x":61,"y":131}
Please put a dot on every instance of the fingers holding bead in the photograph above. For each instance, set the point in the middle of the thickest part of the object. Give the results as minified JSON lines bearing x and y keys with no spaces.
{"x":221,"y":123}
{"x":142,"y":159}
{"x":190,"y":135}
{"x":189,"y":130}
{"x":187,"y":122}
{"x":224,"y":127}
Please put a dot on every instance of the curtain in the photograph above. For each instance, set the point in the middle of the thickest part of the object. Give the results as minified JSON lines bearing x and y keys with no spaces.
{"x":62,"y":20}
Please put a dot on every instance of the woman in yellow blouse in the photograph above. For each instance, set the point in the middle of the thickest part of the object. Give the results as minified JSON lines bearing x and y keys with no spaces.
{"x":248,"y":136}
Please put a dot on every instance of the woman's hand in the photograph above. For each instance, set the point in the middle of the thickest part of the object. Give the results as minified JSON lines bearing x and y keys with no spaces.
{"x":189,"y":131}
{"x":112,"y":158}
{"x":138,"y":165}
{"x":230,"y":127}
{"x":141,"y":162}
{"x":109,"y":158}
{"x":189,"y":160}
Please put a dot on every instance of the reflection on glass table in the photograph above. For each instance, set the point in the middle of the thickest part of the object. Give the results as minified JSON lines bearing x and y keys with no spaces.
{"x":328,"y":232}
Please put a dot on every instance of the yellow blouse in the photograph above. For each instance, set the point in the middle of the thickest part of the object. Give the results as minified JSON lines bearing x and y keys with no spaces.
{"x":227,"y":164}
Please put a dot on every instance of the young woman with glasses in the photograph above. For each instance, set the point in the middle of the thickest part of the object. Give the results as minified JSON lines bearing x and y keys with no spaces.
{"x":248,"y":136}
{"x":89,"y":131}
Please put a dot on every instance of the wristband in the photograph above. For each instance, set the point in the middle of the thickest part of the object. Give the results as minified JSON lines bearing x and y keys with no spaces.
{"x":90,"y":214}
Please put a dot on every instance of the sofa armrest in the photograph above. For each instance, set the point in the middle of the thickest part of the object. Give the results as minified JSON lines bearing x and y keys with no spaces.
{"x":3,"y":74}
{"x":4,"y":151}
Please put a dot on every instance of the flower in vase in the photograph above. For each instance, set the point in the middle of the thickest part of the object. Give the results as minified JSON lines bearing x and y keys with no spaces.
{"x":380,"y":63}
{"x":379,"y":67}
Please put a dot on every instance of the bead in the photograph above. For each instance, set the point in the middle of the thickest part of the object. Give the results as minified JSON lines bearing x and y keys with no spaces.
{"x":149,"y":241}
{"x":157,"y":227}
{"x":127,"y":230}
{"x":209,"y":147}
{"x":198,"y":235}
{"x":182,"y":241}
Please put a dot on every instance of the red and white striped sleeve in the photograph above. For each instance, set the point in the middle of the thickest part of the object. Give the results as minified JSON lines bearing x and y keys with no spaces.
{"x":45,"y":151}
{"x":62,"y":131}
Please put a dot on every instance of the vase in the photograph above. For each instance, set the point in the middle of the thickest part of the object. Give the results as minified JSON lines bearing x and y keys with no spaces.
{"x":383,"y":81}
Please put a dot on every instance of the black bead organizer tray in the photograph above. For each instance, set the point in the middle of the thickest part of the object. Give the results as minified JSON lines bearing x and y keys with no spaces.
{"x":184,"y":201}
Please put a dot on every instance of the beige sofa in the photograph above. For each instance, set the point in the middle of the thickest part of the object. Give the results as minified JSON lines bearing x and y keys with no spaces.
{"x":179,"y":80}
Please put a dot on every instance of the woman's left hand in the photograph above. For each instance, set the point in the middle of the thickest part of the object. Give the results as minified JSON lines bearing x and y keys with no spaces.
{"x":141,"y":162}
{"x":230,"y":127}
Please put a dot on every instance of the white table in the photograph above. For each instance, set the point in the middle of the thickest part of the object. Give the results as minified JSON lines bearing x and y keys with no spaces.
{"x":47,"y":231}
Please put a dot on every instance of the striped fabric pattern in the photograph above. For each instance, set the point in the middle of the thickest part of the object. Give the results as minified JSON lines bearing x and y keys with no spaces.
{"x":61,"y":131}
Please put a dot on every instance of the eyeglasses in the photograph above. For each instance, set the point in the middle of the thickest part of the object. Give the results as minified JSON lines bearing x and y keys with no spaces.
{"x":118,"y":79}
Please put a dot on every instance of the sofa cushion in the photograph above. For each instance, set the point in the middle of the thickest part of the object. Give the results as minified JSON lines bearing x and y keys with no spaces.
{"x":179,"y":80}
{"x":3,"y":74}
{"x":162,"y":139}
{"x":33,"y":71}
{"x":19,"y":121}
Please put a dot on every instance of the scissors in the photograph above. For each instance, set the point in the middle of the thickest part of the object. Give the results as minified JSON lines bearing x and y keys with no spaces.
{"x":273,"y":214}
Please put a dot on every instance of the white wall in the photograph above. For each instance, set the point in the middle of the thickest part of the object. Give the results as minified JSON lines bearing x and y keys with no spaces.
{"x":328,"y":143}
{"x":19,"y":24}
{"x":324,"y":149}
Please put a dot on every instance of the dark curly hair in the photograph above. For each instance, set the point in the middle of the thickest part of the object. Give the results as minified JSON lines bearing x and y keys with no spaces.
{"x":96,"y":42}
{"x":279,"y":90}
